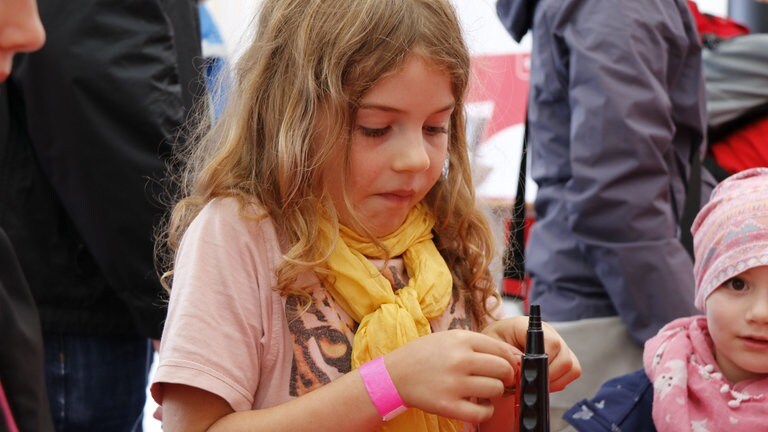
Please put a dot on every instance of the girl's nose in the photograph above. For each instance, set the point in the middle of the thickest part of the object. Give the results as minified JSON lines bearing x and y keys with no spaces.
{"x":412,"y":153}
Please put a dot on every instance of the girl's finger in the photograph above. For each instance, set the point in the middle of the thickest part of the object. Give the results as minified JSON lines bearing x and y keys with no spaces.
{"x":493,"y":366}
{"x":470,"y":411}
{"x":482,"y":387}
{"x":553,"y":343}
{"x":566,"y":372}
{"x":488,"y":345}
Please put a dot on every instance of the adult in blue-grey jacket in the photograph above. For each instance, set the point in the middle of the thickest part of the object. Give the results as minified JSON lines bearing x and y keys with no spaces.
{"x":616,"y":112}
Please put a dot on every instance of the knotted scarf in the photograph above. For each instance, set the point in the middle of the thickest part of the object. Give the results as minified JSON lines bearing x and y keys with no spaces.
{"x":690,"y":392}
{"x":389,"y":319}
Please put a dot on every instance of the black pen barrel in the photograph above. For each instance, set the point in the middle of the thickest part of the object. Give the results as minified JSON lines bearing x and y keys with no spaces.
{"x":534,"y":378}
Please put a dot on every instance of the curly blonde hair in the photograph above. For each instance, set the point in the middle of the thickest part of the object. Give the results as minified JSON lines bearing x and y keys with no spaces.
{"x":313,"y":58}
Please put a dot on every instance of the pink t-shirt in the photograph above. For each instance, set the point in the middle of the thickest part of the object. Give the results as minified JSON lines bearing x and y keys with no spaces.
{"x":227,"y":331}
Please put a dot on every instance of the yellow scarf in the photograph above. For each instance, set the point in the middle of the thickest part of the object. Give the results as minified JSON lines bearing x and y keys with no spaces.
{"x":388,"y":319}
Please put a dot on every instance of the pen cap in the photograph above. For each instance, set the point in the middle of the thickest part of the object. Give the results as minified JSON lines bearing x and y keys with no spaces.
{"x":534,"y":339}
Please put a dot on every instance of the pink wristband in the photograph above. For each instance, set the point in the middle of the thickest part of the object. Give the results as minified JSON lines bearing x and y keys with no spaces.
{"x":381,"y":389}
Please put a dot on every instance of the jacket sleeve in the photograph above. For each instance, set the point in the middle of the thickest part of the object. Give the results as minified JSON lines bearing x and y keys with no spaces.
{"x":104,"y":101}
{"x":21,"y":358}
{"x":621,"y":403}
{"x":634,"y":83}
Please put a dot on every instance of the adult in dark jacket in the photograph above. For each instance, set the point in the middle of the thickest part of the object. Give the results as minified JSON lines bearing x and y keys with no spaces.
{"x":616,"y":114}
{"x":24,"y":405}
{"x":92,"y":120}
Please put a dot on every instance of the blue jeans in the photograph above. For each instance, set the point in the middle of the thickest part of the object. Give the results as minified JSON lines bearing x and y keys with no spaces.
{"x":96,"y":383}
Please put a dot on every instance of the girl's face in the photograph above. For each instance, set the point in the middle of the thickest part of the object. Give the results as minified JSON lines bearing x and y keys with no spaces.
{"x":737,"y":316}
{"x":398,"y":147}
{"x":20,"y":31}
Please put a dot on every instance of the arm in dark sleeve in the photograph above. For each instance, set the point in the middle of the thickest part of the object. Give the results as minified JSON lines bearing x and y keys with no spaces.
{"x":624,"y":197}
{"x":21,"y":355}
{"x":104,"y":102}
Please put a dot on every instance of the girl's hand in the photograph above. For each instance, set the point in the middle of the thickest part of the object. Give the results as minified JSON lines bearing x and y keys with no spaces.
{"x":564,"y":367}
{"x":454,"y":373}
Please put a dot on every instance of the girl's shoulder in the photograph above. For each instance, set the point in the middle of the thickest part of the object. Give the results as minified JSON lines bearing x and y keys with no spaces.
{"x":229,"y":220}
{"x":230,"y":210}
{"x":227,"y":233}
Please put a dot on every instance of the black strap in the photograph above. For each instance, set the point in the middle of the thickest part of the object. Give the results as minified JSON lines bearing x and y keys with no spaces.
{"x":713,"y":167}
{"x":514,"y":254}
{"x":692,"y":202}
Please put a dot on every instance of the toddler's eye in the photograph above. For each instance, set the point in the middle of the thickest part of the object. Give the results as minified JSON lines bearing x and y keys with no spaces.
{"x":736,"y":284}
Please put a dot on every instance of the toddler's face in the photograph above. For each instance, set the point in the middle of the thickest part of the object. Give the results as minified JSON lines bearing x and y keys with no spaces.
{"x":737,"y":316}
{"x":20,"y":31}
{"x":398,"y":148}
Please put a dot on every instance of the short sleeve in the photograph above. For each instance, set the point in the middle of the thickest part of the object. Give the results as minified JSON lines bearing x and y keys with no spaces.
{"x":217,"y":332}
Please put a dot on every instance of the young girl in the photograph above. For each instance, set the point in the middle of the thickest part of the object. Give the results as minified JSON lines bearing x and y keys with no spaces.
{"x":328,"y":237}
{"x":707,"y":372}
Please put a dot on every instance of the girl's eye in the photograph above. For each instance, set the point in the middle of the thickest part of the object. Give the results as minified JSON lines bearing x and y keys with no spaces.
{"x":736,"y":284}
{"x":373,"y":132}
{"x":435,"y":130}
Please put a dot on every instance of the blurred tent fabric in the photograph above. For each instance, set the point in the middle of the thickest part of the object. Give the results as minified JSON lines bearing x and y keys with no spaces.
{"x":737,"y":93}
{"x":216,"y":72}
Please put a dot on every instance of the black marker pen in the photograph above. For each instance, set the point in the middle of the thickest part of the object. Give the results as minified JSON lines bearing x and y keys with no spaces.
{"x":534,"y":378}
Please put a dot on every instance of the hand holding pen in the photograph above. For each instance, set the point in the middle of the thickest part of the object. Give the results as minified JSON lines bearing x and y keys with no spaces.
{"x":563,"y":365}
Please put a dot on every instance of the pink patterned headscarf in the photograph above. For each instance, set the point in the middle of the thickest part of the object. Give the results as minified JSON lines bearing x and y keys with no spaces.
{"x":730,"y":234}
